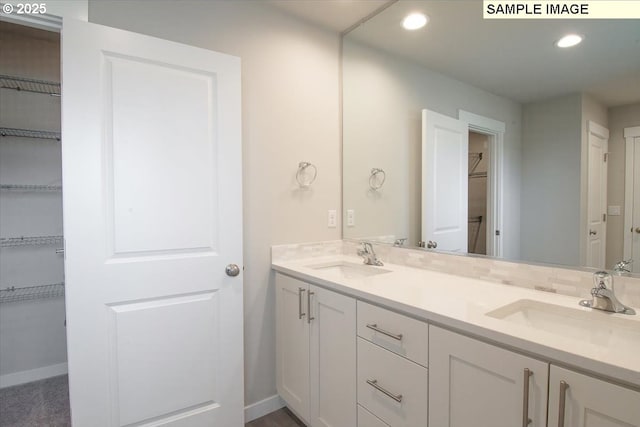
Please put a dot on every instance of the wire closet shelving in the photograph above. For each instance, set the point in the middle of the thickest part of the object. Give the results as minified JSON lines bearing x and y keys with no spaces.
{"x":28,"y":293}
{"x":25,"y":84}
{"x":30,"y":188}
{"x":30,"y":133}
{"x":7,"y":242}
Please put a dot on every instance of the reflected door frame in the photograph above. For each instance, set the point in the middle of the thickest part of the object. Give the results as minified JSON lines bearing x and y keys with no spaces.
{"x":632,"y":138}
{"x":495,"y":130}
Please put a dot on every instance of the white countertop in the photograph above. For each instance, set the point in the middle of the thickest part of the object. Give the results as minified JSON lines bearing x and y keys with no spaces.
{"x":461,"y":304}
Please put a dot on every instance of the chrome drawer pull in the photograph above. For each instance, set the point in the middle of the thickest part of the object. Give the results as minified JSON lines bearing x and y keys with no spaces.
{"x":309,"y":317}
{"x":525,"y":398}
{"x":301,"y":314}
{"x":563,"y":397}
{"x":374,"y":384}
{"x":374,"y":326}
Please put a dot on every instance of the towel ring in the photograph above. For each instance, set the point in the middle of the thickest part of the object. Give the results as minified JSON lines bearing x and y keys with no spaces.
{"x":375,"y":182}
{"x":302,"y":177}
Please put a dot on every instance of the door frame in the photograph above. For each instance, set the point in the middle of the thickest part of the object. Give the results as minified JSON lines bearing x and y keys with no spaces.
{"x":51,"y":20}
{"x":629,"y":134}
{"x":495,"y":130}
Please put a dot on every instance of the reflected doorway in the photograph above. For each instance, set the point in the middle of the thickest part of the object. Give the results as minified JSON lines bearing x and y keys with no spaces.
{"x":479,"y":161}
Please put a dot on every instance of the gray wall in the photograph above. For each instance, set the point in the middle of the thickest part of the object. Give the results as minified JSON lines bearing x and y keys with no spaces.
{"x":383,"y":99}
{"x":290,"y":113}
{"x":551,"y":156}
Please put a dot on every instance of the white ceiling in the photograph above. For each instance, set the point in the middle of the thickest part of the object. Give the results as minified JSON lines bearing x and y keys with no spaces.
{"x":337,"y":15}
{"x":516,"y":59}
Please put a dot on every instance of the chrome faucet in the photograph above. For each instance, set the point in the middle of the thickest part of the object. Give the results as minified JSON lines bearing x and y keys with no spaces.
{"x":369,"y":254}
{"x":621,"y":267}
{"x":603,"y":296}
{"x":400,"y":242}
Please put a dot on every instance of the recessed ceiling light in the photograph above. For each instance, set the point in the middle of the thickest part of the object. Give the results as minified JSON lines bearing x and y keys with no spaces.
{"x":414,"y":21}
{"x":569,"y":40}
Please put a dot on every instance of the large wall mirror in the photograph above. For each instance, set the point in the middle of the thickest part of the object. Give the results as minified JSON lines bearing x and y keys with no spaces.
{"x":483,"y":136}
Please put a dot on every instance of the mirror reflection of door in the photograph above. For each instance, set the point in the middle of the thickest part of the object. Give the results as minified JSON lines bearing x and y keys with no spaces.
{"x":445,"y":165}
{"x":598,"y":141}
{"x":632,"y":198}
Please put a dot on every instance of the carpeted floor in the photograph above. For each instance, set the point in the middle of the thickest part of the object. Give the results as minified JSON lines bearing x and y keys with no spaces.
{"x":280,"y":418}
{"x":46,"y":403}
{"x":40,"y":403}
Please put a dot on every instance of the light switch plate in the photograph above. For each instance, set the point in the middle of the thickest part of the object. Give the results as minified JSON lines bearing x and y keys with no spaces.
{"x":613,"y":210}
{"x":332,"y":218}
{"x":351,"y":218}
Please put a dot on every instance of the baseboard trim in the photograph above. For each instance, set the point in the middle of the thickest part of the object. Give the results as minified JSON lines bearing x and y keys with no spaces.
{"x":262,"y":408}
{"x":22,"y":377}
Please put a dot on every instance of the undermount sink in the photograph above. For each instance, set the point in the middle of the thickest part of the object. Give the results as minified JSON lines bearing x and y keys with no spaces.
{"x":597,"y":328}
{"x":348,"y":270}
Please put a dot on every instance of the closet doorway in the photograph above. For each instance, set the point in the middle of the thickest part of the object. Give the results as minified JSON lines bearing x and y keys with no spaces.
{"x":33,"y":348}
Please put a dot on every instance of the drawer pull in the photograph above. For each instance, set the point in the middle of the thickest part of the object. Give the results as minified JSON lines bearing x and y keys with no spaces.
{"x":309,"y":317}
{"x":563,"y":398}
{"x":301,"y":314}
{"x":374,"y":326}
{"x":374,"y":384}
{"x":525,"y":398}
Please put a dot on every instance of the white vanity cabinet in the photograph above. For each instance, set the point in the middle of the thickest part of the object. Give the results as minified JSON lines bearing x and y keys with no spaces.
{"x":392,"y":368}
{"x":348,"y":363}
{"x":578,"y":400}
{"x":316,"y":353}
{"x":472,"y":383}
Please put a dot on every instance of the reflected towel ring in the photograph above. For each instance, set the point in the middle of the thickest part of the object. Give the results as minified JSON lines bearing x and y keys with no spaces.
{"x":306,"y":175}
{"x":376,"y":179}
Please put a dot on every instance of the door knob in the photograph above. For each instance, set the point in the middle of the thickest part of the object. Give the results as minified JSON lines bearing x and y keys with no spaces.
{"x":232,"y":270}
{"x":592,"y":232}
{"x":638,"y":230}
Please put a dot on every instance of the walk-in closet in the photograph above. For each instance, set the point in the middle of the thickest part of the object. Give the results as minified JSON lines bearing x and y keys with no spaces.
{"x":33,"y":359}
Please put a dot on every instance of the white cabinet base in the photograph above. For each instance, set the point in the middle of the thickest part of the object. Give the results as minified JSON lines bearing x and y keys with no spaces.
{"x":472,"y":383}
{"x":590,"y":402}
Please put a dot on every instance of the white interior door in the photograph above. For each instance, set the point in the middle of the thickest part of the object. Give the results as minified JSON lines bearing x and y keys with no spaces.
{"x":598,"y":141}
{"x":445,"y":170}
{"x":151,"y":147}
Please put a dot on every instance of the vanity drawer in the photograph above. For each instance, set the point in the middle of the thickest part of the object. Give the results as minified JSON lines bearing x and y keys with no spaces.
{"x":391,"y":387}
{"x":397,"y":333}
{"x":367,"y":419}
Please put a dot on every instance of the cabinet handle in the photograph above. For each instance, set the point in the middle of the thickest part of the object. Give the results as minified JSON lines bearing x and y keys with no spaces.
{"x":374,"y":326}
{"x":525,"y":398}
{"x":309,"y":317}
{"x":300,"y":313}
{"x":374,"y":384}
{"x":563,"y":397}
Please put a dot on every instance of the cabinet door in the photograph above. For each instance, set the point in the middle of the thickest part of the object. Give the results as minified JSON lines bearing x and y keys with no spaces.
{"x":292,"y":344}
{"x":472,"y":383}
{"x":589,"y":402}
{"x":333,"y":359}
